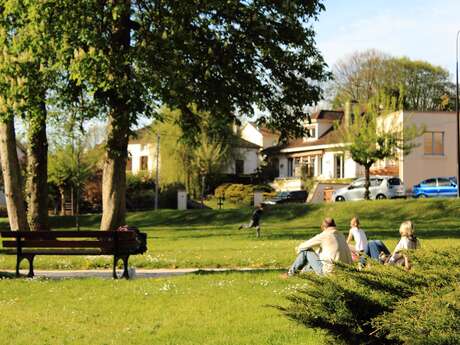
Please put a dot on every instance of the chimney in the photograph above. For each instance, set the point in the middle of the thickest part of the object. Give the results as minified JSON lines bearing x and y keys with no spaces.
{"x":347,"y":113}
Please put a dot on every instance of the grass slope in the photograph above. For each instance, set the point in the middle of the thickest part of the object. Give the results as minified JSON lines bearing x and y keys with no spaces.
{"x":209,"y":238}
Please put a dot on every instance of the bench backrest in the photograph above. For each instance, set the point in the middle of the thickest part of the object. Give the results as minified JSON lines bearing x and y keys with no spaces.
{"x":107,"y":242}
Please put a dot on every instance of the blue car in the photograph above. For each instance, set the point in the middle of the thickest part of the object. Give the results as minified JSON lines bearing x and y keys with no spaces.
{"x":436,"y":187}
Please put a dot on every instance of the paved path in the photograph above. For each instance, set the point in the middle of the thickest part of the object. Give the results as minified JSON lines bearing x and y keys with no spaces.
{"x":139,"y":273}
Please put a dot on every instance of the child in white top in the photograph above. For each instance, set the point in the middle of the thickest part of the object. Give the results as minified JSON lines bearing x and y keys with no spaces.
{"x":407,"y":241}
{"x":357,"y":234}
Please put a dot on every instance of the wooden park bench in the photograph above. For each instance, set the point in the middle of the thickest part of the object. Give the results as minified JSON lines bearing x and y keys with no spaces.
{"x":28,"y":244}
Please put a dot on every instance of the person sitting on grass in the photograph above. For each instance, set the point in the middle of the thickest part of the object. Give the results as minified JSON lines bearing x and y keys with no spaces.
{"x":357,"y":235}
{"x":408,"y":241}
{"x":319,"y":253}
{"x":255,"y":220}
{"x":377,"y":250}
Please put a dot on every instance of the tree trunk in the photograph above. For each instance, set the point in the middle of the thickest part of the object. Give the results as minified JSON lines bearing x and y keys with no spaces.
{"x":12,"y":177}
{"x":114,"y":173}
{"x":37,"y":171}
{"x":367,"y":182}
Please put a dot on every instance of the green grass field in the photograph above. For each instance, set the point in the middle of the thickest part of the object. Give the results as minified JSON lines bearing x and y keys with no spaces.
{"x":223,"y":308}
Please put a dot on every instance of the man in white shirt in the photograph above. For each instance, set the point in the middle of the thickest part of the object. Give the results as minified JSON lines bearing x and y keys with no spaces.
{"x":321,"y":251}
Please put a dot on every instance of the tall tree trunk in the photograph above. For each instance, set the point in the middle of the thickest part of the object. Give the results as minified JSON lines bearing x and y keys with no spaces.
{"x":367,"y":182}
{"x":37,"y":171}
{"x":114,"y":173}
{"x":12,"y":177}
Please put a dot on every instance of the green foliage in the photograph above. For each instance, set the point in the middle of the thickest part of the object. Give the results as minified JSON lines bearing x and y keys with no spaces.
{"x":240,"y":193}
{"x":385,"y":304}
{"x":420,"y":85}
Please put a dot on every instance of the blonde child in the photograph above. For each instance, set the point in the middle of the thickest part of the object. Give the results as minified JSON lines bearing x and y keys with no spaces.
{"x":407,"y":241}
{"x":357,"y":235}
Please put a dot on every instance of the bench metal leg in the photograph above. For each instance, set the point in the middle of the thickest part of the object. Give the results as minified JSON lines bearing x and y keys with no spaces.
{"x":30,"y":259}
{"x":125,"y":259}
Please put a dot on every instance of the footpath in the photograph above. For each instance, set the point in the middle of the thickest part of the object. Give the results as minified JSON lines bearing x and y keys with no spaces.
{"x":136,"y":273}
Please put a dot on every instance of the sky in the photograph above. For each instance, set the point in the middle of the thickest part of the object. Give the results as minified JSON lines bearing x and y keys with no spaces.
{"x":419,"y":29}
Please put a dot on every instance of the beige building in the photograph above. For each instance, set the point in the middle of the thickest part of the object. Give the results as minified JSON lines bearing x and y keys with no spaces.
{"x":435,"y":154}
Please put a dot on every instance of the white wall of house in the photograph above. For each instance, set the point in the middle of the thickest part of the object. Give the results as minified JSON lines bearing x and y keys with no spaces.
{"x":250,"y":158}
{"x":252,"y":134}
{"x":136,"y":151}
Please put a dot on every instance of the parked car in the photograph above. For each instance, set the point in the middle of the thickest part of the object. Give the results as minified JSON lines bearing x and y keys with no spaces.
{"x":436,"y":186}
{"x":381,"y":187}
{"x":288,"y":196}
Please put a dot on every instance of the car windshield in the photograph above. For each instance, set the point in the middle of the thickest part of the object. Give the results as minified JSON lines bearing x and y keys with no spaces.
{"x":394,"y":181}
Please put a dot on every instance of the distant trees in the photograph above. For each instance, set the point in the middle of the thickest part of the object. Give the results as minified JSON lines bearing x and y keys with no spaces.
{"x":419,"y":84}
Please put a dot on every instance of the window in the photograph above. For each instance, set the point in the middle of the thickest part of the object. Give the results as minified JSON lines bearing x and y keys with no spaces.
{"x":320,"y":165}
{"x":433,"y":143}
{"x":375,"y":182}
{"x":129,"y":164}
{"x":394,"y":181}
{"x":144,"y":162}
{"x":312,"y":131}
{"x":358,"y":183}
{"x":290,"y":167}
{"x":339,"y":166}
{"x":444,"y":182}
{"x":429,"y":183}
{"x":239,"y":166}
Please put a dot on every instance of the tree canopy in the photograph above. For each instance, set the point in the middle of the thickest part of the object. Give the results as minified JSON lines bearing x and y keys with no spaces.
{"x":418,"y":84}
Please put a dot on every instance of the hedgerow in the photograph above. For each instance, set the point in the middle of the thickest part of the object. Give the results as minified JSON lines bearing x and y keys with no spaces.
{"x":385,"y":304}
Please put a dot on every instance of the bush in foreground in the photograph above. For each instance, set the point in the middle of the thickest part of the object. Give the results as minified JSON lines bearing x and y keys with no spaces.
{"x":385,"y":304}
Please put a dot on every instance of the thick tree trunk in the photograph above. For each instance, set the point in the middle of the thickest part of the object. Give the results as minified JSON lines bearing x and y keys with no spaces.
{"x":114,"y":173}
{"x":367,"y":182}
{"x":37,"y":172}
{"x":12,"y":177}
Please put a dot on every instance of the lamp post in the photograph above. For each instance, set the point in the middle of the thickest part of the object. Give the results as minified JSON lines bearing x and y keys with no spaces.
{"x":458,"y":116}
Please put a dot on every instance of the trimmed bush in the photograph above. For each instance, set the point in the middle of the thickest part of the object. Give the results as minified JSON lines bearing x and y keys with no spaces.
{"x":385,"y":304}
{"x":241,"y":193}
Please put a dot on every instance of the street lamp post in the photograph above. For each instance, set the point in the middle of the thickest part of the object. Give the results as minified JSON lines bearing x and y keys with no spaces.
{"x":458,"y":116}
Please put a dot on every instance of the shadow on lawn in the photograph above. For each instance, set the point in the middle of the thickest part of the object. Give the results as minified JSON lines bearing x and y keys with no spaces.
{"x":241,"y":271}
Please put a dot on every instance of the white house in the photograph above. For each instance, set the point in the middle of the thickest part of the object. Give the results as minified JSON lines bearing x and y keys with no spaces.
{"x":322,"y":156}
{"x":142,"y":152}
{"x":319,"y":155}
{"x":245,"y":157}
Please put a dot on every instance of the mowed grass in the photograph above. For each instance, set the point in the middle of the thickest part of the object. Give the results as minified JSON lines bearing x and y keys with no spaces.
{"x":209,"y":238}
{"x":219,"y":308}
{"x":230,"y":309}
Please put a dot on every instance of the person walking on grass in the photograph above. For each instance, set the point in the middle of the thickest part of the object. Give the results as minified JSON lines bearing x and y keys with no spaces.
{"x":319,"y":253}
{"x":255,"y":220}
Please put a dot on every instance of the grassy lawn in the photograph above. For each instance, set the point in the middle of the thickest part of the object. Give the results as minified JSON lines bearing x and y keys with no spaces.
{"x":224,"y":308}
{"x":209,"y":238}
{"x":232,"y":308}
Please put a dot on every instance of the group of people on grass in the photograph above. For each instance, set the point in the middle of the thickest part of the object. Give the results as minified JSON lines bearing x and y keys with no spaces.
{"x":319,"y":253}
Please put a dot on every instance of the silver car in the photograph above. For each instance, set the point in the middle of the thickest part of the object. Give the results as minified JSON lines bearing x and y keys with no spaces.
{"x":382,"y":187}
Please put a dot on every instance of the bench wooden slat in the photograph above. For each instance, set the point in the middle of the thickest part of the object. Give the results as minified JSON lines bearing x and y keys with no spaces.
{"x":67,"y":244}
{"x":122,"y":235}
{"x":55,"y":251}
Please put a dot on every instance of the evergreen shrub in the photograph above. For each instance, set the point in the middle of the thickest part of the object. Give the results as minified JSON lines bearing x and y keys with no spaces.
{"x":385,"y":304}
